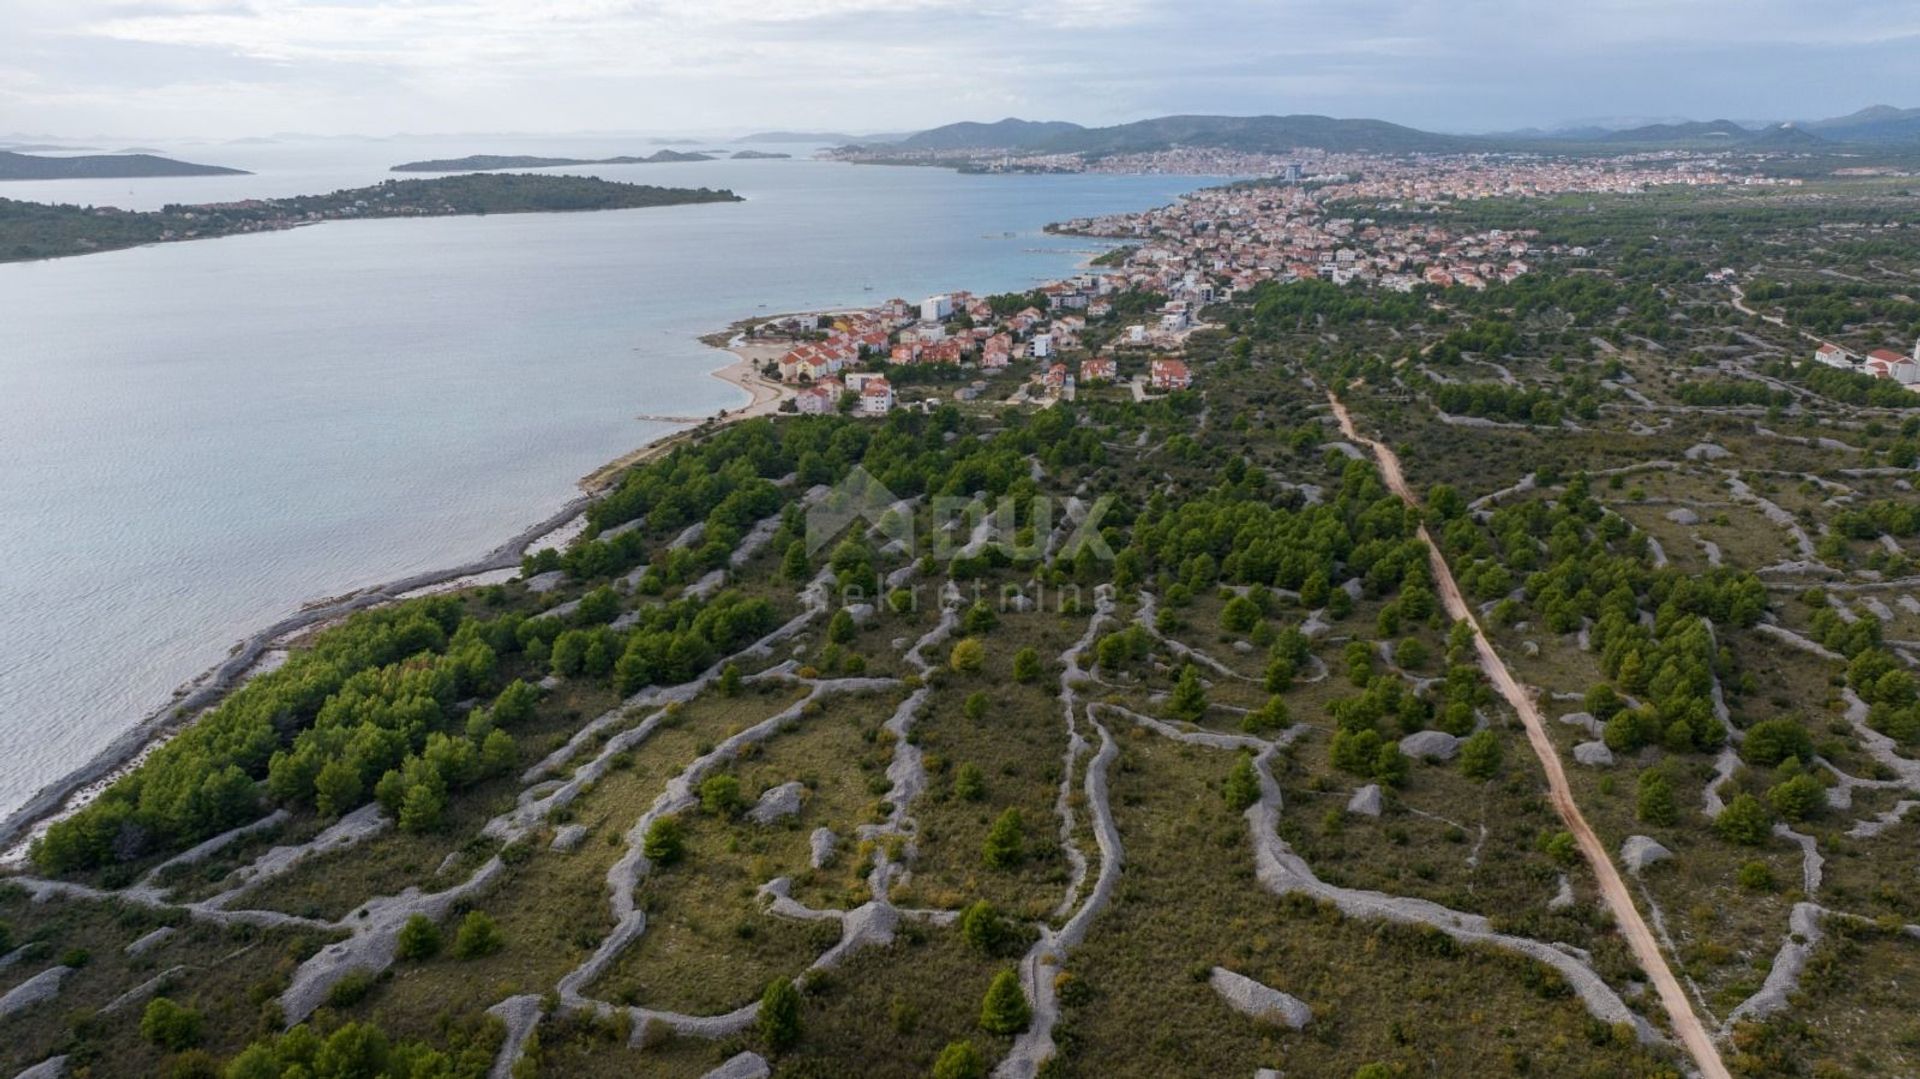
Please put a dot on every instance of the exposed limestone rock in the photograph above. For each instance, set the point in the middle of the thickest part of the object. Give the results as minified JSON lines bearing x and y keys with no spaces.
{"x":1563,"y":898}
{"x":521,"y":1014}
{"x":139,"y":993}
{"x":821,"y":843}
{"x":50,"y":1068}
{"x":1431,"y":745}
{"x":748,"y":1065}
{"x":1640,"y":851}
{"x":1683,"y":516}
{"x":542,"y":583}
{"x":1257,"y":1001}
{"x":777,"y":803}
{"x":1706,"y":451}
{"x":1365,"y":801}
{"x":1593,"y":754}
{"x":151,"y":941}
{"x":569,"y":838}
{"x":41,"y":987}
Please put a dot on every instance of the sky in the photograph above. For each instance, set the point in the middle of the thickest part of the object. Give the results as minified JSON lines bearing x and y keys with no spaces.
{"x":230,"y":68}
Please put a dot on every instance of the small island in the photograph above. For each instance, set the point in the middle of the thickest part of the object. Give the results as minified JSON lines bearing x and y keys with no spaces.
{"x":34,"y":230}
{"x":492,"y":162}
{"x":758,"y":155}
{"x":19,"y":166}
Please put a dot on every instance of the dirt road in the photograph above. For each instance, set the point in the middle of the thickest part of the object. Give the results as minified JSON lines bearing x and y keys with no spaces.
{"x":1613,"y":889}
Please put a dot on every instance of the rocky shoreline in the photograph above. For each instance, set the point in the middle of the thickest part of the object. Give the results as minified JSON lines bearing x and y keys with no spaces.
{"x":250,"y":656}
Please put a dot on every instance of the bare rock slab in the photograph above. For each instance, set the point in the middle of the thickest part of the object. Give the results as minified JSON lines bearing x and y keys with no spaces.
{"x":1257,"y":1001}
{"x":777,"y":803}
{"x":569,"y":837}
{"x":41,"y":987}
{"x":1430,"y":745}
{"x":748,"y":1065}
{"x":1366,"y":801}
{"x":1640,"y":851}
{"x":821,"y":845}
{"x":1593,"y":754}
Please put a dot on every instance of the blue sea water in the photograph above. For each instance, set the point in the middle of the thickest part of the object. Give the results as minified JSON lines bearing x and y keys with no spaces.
{"x":196,"y":438}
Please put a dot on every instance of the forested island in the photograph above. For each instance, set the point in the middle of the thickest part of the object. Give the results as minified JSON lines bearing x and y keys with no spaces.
{"x":34,"y":230}
{"x":488,"y":162}
{"x":18,"y":166}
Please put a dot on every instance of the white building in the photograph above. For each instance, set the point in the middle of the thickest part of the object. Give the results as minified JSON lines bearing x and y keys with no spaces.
{"x":936,"y":308}
{"x":1042,"y":346}
{"x":876,"y":397}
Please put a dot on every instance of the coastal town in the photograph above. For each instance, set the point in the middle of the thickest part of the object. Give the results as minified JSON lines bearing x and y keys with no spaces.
{"x":1125,"y":319}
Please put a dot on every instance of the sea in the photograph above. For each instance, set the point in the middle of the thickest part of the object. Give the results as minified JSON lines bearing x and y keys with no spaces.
{"x":197,"y":438}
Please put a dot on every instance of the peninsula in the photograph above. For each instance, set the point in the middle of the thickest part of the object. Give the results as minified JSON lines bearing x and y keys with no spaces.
{"x":32,"y":230}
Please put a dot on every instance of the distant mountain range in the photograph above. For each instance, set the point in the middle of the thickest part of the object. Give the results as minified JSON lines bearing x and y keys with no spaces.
{"x":16,"y":166}
{"x":491,"y":162}
{"x":1882,"y":127}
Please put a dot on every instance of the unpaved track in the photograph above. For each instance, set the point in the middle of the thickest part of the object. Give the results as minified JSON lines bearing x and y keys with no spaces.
{"x":1692,"y":1033}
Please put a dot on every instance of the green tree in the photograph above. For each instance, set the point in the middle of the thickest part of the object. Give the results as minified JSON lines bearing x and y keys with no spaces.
{"x":780,"y":1015}
{"x":1771,"y":741}
{"x":422,"y":807}
{"x":1240,"y":615}
{"x":1189,"y":696}
{"x":337,"y":787}
{"x":840,"y":628}
{"x":1480,"y":755}
{"x":984,"y":928}
{"x":1242,"y":788}
{"x":478,"y":936}
{"x":1359,"y":656}
{"x":419,"y":938}
{"x":1005,"y":1010}
{"x":1026,"y":668}
{"x":170,"y":1026}
{"x":975,"y":706}
{"x":795,"y":567}
{"x":960,"y":1060}
{"x":1269,"y":717}
{"x":730,"y":680}
{"x":1744,"y":821}
{"x":1006,"y":844}
{"x":665,"y":842}
{"x":1390,"y":765}
{"x":969,"y":783}
{"x":1798,"y":797}
{"x":1654,"y":802}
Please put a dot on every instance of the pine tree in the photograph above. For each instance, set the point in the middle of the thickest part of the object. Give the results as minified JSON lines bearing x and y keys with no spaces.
{"x":1744,"y":821}
{"x":959,"y":1060}
{"x":1654,"y":803}
{"x":419,"y":938}
{"x":1189,"y":696}
{"x":795,"y":567}
{"x":665,"y":842}
{"x":1242,"y":788}
{"x":1480,"y":755}
{"x":1006,"y":841}
{"x":780,"y":1015}
{"x":1005,"y":1010}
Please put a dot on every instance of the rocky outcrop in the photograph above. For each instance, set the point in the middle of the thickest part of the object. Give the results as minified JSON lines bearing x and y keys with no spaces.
{"x":1366,"y":802}
{"x":748,"y":1065}
{"x":777,"y":803}
{"x":820,"y":847}
{"x":1640,"y":851}
{"x":1430,"y":745}
{"x":1593,"y":754}
{"x":43,"y":986}
{"x":1257,"y":1001}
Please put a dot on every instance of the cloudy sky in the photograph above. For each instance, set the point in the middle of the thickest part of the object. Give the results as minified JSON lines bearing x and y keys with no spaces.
{"x":223,"y":68}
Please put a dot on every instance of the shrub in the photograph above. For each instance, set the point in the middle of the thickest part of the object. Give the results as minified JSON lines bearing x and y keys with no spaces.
{"x":1189,"y":696}
{"x":960,"y":1060}
{"x":1026,"y":668}
{"x":1480,"y":755}
{"x":351,"y":989}
{"x":968,"y":656}
{"x":170,"y":1026}
{"x":1655,"y":803}
{"x":984,"y":929}
{"x":419,"y":938}
{"x":969,"y":783}
{"x":720,"y":795}
{"x":665,"y":842}
{"x":477,"y":936}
